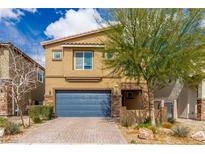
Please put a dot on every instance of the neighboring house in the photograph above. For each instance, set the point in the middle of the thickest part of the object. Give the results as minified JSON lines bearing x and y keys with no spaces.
{"x":190,"y":101}
{"x":7,"y":105}
{"x":186,"y":98}
{"x":77,"y":83}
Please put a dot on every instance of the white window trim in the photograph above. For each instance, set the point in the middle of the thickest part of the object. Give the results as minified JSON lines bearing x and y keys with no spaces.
{"x":40,"y":71}
{"x":83,"y":60}
{"x":57,"y":58}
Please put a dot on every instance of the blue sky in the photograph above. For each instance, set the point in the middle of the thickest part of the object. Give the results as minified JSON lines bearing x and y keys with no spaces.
{"x":26,"y":28}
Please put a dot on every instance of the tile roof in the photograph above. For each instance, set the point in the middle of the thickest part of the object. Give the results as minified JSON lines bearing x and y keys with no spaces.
{"x":9,"y":44}
{"x":73,"y":36}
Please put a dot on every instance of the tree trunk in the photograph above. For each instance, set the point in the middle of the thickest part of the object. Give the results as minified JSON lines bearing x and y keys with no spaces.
{"x":151,"y":104}
{"x":21,"y":113}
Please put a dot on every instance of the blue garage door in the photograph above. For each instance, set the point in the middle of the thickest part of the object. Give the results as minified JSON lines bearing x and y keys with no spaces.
{"x":83,"y":103}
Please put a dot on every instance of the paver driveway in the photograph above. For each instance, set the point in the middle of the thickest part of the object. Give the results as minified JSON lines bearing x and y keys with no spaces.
{"x":75,"y":131}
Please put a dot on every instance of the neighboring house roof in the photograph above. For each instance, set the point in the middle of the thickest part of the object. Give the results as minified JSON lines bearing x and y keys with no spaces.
{"x":73,"y":36}
{"x":10,"y":45}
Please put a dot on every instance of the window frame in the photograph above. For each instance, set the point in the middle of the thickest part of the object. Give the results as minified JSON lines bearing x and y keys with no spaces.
{"x":82,"y":51}
{"x":40,"y":71}
{"x":53,"y":57}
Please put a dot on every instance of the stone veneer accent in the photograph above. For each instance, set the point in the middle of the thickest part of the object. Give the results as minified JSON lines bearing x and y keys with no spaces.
{"x":200,"y":109}
{"x":5,"y":101}
{"x":131,"y":117}
{"x":116,"y":104}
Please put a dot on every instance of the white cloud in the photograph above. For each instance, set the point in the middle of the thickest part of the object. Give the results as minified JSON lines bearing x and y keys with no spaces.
{"x":10,"y":13}
{"x":31,"y":10}
{"x":28,"y":44}
{"x":74,"y":22}
{"x":14,"y":14}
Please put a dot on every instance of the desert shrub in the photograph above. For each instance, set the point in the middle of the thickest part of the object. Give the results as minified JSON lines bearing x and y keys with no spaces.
{"x":12,"y":128}
{"x":133,"y":142}
{"x":143,"y":125}
{"x":125,"y":123}
{"x":171,"y":120}
{"x":43,"y":112}
{"x":181,"y":131}
{"x":154,"y":129}
{"x":167,"y":125}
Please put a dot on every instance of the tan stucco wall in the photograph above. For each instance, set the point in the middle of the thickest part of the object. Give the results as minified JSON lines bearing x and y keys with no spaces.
{"x":187,"y":103}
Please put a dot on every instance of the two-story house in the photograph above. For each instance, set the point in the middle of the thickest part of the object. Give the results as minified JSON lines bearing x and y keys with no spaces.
{"x":36,"y":96}
{"x":77,"y":83}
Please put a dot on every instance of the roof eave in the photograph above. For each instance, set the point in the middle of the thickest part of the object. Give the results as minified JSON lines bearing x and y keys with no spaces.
{"x":83,"y":46}
{"x":44,"y":43}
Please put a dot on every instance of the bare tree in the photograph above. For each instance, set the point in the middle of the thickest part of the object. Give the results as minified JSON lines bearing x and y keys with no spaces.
{"x":23,"y":79}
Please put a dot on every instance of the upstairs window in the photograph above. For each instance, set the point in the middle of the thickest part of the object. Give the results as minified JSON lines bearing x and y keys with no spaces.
{"x":57,"y":55}
{"x":40,"y":76}
{"x":83,"y":60}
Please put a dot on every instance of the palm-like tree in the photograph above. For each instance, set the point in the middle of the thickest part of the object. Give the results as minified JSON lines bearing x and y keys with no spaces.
{"x":158,"y":46}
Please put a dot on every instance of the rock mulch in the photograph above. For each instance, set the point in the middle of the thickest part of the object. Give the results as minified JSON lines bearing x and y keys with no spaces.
{"x":165,"y":136}
{"x":199,"y":136}
{"x":145,"y":133}
{"x":12,"y":138}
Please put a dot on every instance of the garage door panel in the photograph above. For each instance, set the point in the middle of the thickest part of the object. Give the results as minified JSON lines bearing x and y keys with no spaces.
{"x":83,"y":103}
{"x":84,"y":107}
{"x":82,"y":114}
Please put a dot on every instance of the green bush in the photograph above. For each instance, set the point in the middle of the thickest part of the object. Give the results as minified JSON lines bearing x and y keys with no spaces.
{"x":43,"y":112}
{"x":36,"y":119}
{"x":3,"y":122}
{"x":12,"y":128}
{"x":181,"y":131}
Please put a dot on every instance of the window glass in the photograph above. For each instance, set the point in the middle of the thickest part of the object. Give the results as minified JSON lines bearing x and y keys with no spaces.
{"x":79,"y":60}
{"x":83,"y":60}
{"x":57,"y":55}
{"x":40,"y":76}
{"x":87,"y":60}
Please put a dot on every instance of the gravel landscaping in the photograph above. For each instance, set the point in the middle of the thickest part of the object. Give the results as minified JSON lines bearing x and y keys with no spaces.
{"x":23,"y":131}
{"x":131,"y":134}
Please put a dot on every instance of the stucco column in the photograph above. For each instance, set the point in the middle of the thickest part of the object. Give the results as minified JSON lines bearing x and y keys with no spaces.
{"x":175,"y":112}
{"x":201,"y":101}
{"x":163,"y":116}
